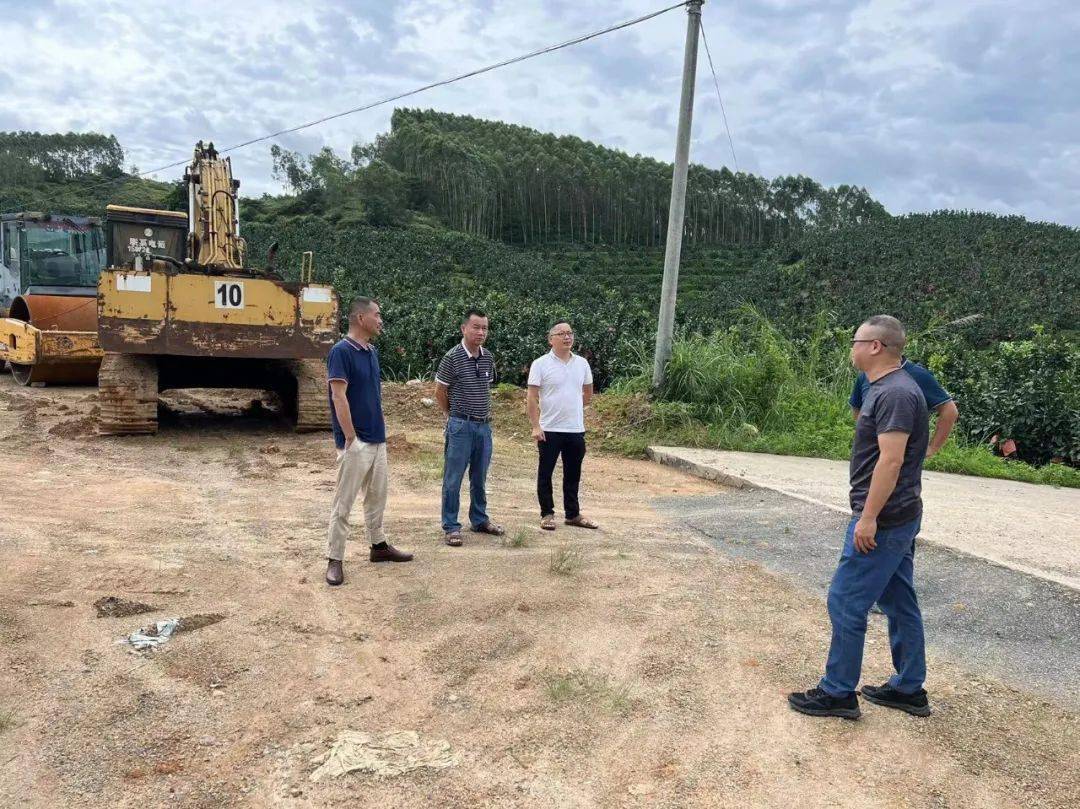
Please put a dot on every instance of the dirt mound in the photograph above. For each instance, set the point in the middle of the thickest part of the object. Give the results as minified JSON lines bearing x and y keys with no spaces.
{"x":399,"y":446}
{"x":405,"y":404}
{"x":116,"y":607}
{"x":85,"y":427}
{"x":193,"y":622}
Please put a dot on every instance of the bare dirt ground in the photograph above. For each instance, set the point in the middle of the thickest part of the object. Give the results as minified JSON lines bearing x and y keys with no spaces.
{"x":651,"y":673}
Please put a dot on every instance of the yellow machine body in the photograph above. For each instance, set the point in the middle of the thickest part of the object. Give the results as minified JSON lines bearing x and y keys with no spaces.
{"x":24,"y":344}
{"x":51,"y":357}
{"x":158,"y":311}
{"x":194,"y":314}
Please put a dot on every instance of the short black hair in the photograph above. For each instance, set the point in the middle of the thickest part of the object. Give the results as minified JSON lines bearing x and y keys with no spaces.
{"x":360,"y":305}
{"x":469,"y":313}
{"x":889,"y":331}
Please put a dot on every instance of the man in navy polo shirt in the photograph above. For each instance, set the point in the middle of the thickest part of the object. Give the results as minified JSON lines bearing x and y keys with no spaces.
{"x":360,"y":436}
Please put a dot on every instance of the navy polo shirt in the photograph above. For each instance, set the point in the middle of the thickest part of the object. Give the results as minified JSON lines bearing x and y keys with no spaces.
{"x":932,"y":391}
{"x":358,"y":366}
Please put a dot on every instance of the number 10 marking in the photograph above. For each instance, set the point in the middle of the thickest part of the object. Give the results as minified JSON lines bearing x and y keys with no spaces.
{"x":228,"y":295}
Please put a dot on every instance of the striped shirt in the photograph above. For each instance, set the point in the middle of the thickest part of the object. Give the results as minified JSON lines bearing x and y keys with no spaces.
{"x":468,"y":380}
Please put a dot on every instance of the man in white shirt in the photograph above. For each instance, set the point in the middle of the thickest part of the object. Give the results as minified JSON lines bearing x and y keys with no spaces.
{"x":560,"y":385}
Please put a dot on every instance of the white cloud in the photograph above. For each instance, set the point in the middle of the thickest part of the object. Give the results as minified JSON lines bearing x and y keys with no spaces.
{"x":968,"y":104}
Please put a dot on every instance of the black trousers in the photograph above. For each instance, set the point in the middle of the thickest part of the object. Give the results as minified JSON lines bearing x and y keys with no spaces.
{"x":572,"y":448}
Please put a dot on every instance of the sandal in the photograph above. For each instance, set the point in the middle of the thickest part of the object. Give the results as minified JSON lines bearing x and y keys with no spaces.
{"x":582,"y":522}
{"x":490,"y":528}
{"x":548,"y":522}
{"x":453,"y":539}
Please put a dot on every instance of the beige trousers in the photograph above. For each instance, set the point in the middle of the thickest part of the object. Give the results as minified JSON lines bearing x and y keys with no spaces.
{"x":360,"y":468}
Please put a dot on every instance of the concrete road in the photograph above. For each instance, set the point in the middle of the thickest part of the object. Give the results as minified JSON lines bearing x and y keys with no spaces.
{"x":1028,"y":528}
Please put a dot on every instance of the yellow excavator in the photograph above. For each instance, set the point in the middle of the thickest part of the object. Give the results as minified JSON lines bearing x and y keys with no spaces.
{"x":178,"y":306}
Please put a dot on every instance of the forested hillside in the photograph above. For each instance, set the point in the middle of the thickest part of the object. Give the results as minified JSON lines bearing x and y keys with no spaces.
{"x":445,"y":212}
{"x":74,"y":173}
{"x":525,"y":187}
{"x":1004,"y":272}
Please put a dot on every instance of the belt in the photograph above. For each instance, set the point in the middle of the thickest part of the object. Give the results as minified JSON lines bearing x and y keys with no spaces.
{"x":479,"y":419}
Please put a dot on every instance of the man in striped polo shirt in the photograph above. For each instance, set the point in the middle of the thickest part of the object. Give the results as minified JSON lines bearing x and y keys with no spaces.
{"x":463,"y":390}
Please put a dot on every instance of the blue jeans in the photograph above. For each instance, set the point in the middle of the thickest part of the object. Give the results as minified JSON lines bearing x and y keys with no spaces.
{"x":468,"y":444}
{"x":885,"y":575}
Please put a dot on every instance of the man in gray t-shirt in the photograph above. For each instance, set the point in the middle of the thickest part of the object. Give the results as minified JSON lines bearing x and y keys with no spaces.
{"x":877,"y":562}
{"x":894,"y":403}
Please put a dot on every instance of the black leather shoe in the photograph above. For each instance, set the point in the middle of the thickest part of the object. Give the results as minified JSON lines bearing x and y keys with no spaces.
{"x":816,"y":702}
{"x":389,"y":553}
{"x":335,"y":573}
{"x":915,"y":704}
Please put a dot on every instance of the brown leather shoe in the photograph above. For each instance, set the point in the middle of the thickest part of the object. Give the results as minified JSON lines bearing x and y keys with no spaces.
{"x":335,"y":573}
{"x":389,"y":554}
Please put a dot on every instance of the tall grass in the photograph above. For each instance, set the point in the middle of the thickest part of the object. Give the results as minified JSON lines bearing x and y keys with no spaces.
{"x":752,"y":388}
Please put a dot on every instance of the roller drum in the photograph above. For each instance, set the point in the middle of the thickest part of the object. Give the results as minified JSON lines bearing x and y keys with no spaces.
{"x":56,"y":313}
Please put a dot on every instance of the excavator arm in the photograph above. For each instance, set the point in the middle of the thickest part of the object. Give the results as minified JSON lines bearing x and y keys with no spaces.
{"x":214,"y":241}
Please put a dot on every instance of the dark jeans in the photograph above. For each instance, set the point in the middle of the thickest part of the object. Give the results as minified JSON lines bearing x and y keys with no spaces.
{"x":468,"y":446}
{"x":885,"y":575}
{"x":572,"y":448}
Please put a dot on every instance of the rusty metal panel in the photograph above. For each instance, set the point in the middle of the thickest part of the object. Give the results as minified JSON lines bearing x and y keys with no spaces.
{"x":133,"y":295}
{"x":191,"y":314}
{"x":231,"y":300}
{"x":18,"y":342}
{"x":211,"y":340}
{"x":69,"y":346}
{"x":318,"y":309}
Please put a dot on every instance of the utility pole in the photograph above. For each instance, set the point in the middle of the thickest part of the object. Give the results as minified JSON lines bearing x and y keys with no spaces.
{"x":673,"y":249}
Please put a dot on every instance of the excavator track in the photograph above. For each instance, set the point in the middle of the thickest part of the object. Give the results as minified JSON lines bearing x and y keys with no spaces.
{"x":312,"y":401}
{"x":128,"y":394}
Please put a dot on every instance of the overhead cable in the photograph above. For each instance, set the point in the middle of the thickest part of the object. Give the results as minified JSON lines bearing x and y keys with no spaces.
{"x":716,"y":84}
{"x":390,"y":99}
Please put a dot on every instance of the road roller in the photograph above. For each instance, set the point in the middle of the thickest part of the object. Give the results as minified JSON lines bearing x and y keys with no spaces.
{"x":194,"y":313}
{"x":50,"y":265}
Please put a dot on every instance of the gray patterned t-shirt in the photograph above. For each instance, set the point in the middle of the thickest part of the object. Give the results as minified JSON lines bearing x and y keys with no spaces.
{"x":894,"y":403}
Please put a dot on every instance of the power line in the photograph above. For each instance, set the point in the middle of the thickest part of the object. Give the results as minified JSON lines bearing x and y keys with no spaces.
{"x":442,"y":83}
{"x":479,"y":71}
{"x":716,"y":84}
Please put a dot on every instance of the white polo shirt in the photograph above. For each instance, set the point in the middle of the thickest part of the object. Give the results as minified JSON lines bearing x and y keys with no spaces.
{"x":560,"y":383}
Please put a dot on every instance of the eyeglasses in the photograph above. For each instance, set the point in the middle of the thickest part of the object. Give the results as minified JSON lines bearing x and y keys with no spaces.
{"x":562,"y":334}
{"x":871,"y":340}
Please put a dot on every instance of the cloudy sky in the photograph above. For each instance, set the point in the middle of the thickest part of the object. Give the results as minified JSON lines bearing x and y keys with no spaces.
{"x":930,"y":104}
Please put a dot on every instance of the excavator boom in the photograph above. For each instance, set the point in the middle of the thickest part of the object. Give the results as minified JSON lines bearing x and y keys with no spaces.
{"x":214,"y":241}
